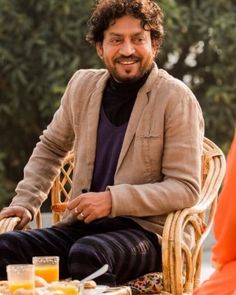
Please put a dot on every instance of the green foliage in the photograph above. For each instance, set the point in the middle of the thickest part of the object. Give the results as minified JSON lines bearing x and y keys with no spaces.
{"x":201,"y":39}
{"x":41,"y":45}
{"x":43,"y":42}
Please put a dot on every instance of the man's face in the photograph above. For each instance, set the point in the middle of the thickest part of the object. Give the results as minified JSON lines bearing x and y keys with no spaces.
{"x":126,"y":49}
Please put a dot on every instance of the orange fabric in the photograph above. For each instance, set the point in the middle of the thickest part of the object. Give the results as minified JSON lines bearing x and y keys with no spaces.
{"x":223,"y":281}
{"x":225,"y":221}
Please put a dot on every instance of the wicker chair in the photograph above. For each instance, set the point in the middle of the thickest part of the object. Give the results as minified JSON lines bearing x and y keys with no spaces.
{"x":179,"y":261}
{"x":181,"y":264}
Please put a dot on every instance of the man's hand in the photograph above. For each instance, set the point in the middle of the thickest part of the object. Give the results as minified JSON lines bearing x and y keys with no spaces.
{"x":91,"y":206}
{"x":17,"y":211}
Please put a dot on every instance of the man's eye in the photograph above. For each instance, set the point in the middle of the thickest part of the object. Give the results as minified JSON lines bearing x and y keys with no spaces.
{"x":139,"y":40}
{"x":115,"y":41}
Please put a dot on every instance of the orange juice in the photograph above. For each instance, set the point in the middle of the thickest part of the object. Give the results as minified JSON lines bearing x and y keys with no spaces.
{"x":20,"y":285}
{"x":20,"y":276}
{"x":49,"y":273}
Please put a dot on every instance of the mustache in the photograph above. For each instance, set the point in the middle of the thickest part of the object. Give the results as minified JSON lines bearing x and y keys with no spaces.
{"x":127,"y":58}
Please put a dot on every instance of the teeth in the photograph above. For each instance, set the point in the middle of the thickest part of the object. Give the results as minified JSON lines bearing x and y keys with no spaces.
{"x":127,"y":62}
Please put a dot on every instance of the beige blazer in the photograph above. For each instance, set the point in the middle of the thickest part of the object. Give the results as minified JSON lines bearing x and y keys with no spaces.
{"x":159,"y":165}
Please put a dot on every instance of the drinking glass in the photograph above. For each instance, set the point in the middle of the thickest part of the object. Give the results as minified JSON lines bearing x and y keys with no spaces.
{"x":47,"y":267}
{"x":20,"y":276}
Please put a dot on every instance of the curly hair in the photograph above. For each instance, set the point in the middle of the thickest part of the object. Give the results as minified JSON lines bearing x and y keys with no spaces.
{"x":106,"y":11}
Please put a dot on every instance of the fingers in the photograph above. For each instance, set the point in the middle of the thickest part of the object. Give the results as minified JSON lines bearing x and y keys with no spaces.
{"x":24,"y":221}
{"x":76,"y":208}
{"x":78,"y":214}
{"x":89,"y":218}
{"x":74,"y":203}
{"x":76,"y":211}
{"x":17,"y":211}
{"x":5,"y":212}
{"x":83,"y":215}
{"x":91,"y":206}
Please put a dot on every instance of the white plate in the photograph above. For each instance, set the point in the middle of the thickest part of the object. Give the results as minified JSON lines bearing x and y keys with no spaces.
{"x":96,"y":291}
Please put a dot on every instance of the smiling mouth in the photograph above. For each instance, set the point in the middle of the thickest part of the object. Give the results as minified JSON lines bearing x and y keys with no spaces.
{"x":127,"y":61}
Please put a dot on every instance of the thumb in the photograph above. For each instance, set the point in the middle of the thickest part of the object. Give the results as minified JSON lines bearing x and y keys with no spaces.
{"x":22,"y":223}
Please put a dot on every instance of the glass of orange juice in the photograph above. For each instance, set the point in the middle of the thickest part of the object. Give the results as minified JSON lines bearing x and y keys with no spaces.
{"x":47,"y":267}
{"x":20,"y":276}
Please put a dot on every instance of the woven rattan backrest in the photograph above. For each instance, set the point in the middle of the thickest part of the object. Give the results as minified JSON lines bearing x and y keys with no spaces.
{"x":61,"y":190}
{"x":213,"y":169}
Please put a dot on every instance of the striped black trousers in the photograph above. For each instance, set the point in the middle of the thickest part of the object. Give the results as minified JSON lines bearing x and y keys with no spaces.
{"x":129,"y":250}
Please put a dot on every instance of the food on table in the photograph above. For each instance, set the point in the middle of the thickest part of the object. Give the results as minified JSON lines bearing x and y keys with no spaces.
{"x":55,"y":288}
{"x":40,"y":282}
{"x":67,"y":288}
{"x":24,"y":292}
{"x":90,"y":284}
{"x":3,"y":287}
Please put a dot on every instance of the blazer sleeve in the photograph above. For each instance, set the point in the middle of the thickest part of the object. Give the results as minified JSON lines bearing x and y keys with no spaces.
{"x":44,"y":164}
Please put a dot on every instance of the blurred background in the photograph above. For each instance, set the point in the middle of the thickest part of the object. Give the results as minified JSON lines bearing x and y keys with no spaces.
{"x":42,"y":43}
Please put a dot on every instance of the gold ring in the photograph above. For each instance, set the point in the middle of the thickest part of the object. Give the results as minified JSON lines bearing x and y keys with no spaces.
{"x":76,"y":210}
{"x":82,"y":215}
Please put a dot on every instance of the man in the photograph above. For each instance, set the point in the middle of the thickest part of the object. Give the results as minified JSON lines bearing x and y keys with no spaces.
{"x":136,"y":133}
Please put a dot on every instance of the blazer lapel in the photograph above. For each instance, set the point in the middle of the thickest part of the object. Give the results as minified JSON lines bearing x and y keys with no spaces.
{"x":140,"y":103}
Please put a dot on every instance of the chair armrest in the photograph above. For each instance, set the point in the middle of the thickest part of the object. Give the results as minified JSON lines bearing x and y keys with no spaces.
{"x":8,"y":224}
{"x":182,"y":261}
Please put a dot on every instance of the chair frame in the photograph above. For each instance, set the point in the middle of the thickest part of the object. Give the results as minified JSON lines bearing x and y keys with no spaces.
{"x":181,"y":264}
{"x":179,"y":261}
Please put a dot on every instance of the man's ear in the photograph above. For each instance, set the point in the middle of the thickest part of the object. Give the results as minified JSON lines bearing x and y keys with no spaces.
{"x":99,"y":49}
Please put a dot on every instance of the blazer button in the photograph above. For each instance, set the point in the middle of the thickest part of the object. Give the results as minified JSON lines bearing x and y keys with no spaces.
{"x":84,"y":190}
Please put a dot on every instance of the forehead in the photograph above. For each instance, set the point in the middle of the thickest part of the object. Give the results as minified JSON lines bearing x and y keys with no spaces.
{"x":125,"y":25}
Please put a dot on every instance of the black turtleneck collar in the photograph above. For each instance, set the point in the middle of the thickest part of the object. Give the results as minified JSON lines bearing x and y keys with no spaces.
{"x":119,"y":98}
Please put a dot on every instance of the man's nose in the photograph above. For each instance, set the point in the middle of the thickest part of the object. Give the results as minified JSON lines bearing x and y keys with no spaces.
{"x":127,"y":48}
